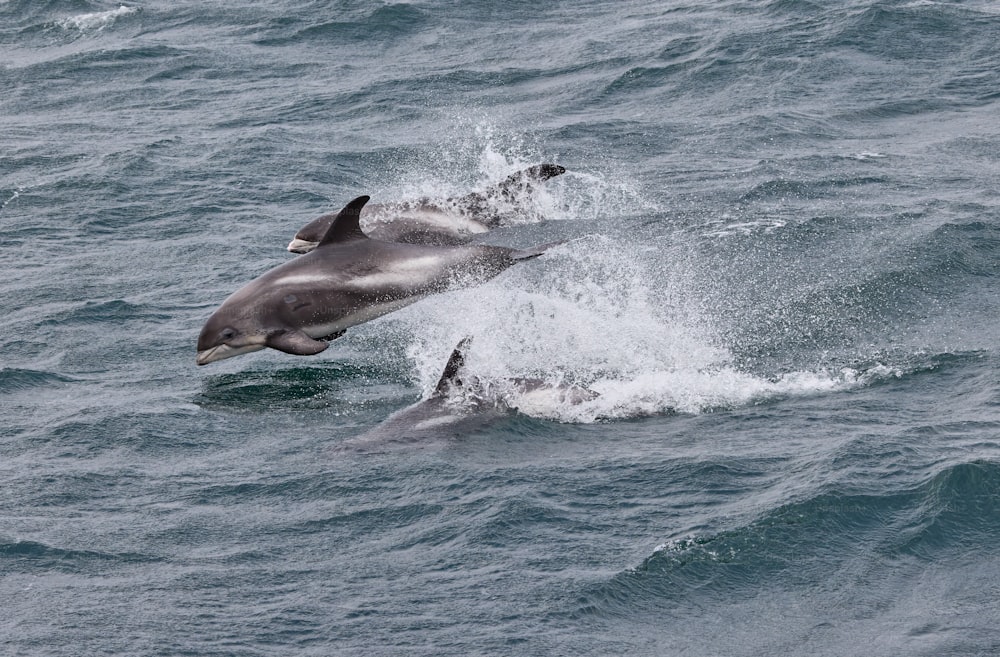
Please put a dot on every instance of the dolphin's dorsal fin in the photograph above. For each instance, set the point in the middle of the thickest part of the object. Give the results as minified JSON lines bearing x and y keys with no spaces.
{"x":347,"y":225}
{"x":455,"y":363}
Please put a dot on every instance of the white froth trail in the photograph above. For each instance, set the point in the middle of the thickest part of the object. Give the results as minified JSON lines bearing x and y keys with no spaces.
{"x":694,"y":391}
{"x":97,"y":20}
{"x":642,"y":359}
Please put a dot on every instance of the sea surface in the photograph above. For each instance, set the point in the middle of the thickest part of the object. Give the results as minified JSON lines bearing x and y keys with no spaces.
{"x":781,"y":274}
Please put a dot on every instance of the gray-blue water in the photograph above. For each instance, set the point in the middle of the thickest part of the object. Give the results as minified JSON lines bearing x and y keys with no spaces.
{"x":781,"y":276}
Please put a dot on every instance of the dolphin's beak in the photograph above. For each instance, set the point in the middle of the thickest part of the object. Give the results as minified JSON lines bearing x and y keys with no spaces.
{"x":223,"y":351}
{"x":206,"y":356}
{"x":301,"y":246}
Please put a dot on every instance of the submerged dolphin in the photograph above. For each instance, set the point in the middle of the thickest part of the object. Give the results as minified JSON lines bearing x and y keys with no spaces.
{"x":453,"y":221}
{"x":347,"y":280}
{"x":461,"y":403}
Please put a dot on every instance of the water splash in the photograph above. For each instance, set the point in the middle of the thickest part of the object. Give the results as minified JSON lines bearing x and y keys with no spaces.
{"x":480,"y":154}
{"x":595,"y":313}
{"x":613,"y":316}
{"x":626,"y":315}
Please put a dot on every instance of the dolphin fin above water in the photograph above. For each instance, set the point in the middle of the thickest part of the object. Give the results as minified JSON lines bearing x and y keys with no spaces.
{"x":346,"y":225}
{"x":456,"y":362}
{"x":461,"y":403}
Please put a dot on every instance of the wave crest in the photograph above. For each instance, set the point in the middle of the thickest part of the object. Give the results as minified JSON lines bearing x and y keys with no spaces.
{"x":96,"y":21}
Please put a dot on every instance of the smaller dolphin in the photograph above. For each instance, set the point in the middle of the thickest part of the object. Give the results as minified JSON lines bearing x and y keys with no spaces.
{"x":459,"y":404}
{"x":450,"y":222}
{"x":347,"y":280}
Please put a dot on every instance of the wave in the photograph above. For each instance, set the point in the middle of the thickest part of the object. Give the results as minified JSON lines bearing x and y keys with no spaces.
{"x":594,"y":317}
{"x":17,"y":380}
{"x":330,"y":386}
{"x":33,"y":556}
{"x":99,"y":312}
{"x":850,"y":538}
{"x":389,"y":22}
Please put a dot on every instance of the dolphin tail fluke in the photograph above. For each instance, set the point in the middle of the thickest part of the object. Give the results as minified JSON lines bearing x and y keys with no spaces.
{"x":455,"y":363}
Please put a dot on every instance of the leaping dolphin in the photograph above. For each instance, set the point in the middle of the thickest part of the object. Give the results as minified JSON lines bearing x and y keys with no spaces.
{"x":449,"y":222}
{"x":347,"y":280}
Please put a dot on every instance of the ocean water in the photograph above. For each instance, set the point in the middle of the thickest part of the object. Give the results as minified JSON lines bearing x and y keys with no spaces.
{"x":782,"y":226}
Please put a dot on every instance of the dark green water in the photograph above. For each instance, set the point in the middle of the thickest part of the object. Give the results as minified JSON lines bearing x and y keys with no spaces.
{"x":781,"y":277}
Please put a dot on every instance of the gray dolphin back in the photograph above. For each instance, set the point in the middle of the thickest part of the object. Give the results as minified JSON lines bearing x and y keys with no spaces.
{"x":448,"y":222}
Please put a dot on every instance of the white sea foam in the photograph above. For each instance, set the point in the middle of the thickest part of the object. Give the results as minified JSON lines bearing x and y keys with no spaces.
{"x":13,"y":196}
{"x":97,"y":20}
{"x":687,"y":390}
{"x":868,"y":155}
{"x":745,"y":227}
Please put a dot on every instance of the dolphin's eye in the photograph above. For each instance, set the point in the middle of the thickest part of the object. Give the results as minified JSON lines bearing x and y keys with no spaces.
{"x":227,"y":334}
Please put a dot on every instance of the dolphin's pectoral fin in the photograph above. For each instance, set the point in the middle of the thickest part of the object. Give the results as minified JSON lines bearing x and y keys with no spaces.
{"x":295,"y":342}
{"x":333,"y":336}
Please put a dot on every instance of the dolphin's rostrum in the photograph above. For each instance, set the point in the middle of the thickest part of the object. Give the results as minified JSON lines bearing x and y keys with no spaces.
{"x":347,"y":280}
